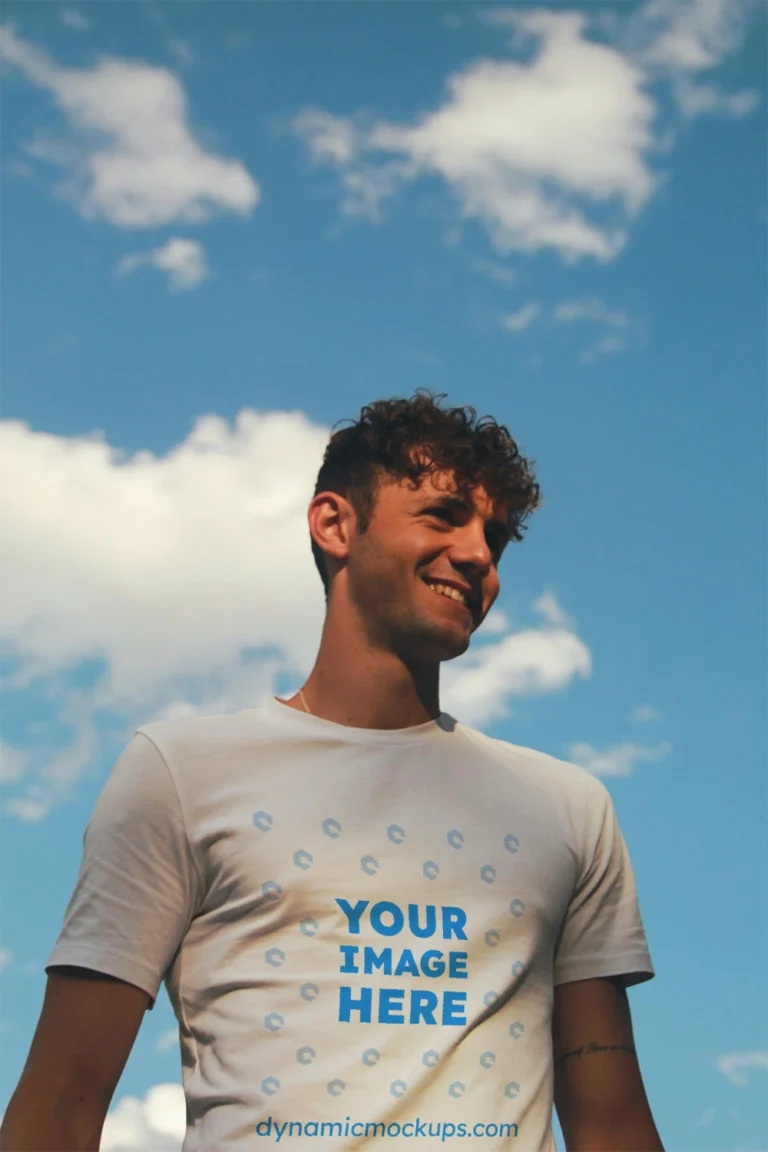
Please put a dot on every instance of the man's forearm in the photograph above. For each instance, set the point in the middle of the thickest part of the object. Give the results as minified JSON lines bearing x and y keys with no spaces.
{"x":618,"y":1136}
{"x":39,"y":1126}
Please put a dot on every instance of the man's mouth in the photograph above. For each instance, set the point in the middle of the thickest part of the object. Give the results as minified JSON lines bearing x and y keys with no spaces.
{"x":447,"y":590}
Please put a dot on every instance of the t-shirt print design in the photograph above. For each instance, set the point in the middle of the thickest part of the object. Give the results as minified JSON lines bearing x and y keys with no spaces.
{"x":410,"y":960}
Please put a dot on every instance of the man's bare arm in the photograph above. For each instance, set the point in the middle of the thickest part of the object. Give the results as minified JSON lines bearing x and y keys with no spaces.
{"x":84,"y":1036}
{"x":599,"y":1092}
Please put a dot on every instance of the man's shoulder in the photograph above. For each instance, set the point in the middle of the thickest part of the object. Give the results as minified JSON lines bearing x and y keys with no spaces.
{"x":189,"y":729}
{"x":536,"y":764}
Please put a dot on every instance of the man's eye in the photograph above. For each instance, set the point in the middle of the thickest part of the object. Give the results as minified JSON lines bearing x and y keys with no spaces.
{"x":441,"y":513}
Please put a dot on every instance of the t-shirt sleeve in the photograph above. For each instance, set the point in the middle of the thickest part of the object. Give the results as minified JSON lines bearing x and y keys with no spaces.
{"x":603,"y":932}
{"x":138,"y":886}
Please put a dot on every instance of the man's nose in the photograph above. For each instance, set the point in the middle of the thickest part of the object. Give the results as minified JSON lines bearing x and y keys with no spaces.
{"x":472,"y":548}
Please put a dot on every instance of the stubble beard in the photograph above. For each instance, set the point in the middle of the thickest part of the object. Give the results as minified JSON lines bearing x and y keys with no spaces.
{"x":386,"y":601}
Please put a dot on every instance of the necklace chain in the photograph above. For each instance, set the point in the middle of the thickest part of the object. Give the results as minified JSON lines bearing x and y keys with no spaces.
{"x":306,"y":706}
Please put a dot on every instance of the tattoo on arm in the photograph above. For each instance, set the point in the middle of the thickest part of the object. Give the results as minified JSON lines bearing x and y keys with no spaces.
{"x":593,"y":1046}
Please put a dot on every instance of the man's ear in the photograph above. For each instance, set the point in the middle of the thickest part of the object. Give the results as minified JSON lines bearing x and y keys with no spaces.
{"x":332,"y":524}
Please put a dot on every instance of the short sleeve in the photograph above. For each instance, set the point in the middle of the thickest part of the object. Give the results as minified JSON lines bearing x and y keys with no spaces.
{"x":138,"y":885}
{"x":603,"y":932}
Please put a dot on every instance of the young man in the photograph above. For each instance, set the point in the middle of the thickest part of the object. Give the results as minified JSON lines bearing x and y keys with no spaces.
{"x":375,"y":925}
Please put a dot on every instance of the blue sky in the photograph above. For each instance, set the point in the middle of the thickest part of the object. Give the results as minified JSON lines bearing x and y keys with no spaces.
{"x":227,"y":226}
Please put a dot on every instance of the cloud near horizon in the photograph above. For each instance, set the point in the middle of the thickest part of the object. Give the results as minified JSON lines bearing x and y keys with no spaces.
{"x":155,"y":1123}
{"x":735,"y":1066}
{"x":617,"y":760}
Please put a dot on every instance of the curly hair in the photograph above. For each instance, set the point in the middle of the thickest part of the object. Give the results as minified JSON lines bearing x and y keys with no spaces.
{"x":405,"y":439}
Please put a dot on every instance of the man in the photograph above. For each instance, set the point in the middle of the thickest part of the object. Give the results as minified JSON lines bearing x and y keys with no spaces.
{"x":375,"y":925}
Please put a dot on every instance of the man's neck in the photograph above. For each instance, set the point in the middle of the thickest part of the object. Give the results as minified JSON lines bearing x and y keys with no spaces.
{"x":355,"y":685}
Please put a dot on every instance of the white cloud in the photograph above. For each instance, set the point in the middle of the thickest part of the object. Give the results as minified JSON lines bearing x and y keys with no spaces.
{"x":547,"y":606}
{"x":188,"y":579}
{"x":696,"y":99}
{"x":606,"y":346}
{"x":183,"y":260}
{"x":550,"y":153}
{"x":329,"y":139}
{"x":131,"y":157}
{"x":735,"y":1066}
{"x":645,"y":713}
{"x":496,"y":622}
{"x":501,"y":273}
{"x":161,"y":574}
{"x":687,"y":35}
{"x":706,"y":1118}
{"x":337,"y":141}
{"x":13,"y":762}
{"x":521,"y":319}
{"x":5,"y":957}
{"x":531,"y":662}
{"x":680,"y":39}
{"x":51,"y":771}
{"x":158,"y":1123}
{"x":551,"y":148}
{"x":591,"y":309}
{"x":167,"y":1040}
{"x":74,"y":19}
{"x":618,"y":760}
{"x":181,"y":50}
{"x":32,"y":807}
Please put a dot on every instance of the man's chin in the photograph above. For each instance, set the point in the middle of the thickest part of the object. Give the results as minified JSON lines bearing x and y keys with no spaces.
{"x":435,"y":647}
{"x":457,"y":650}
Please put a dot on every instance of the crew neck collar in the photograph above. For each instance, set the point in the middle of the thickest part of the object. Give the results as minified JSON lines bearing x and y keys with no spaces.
{"x":309,"y":723}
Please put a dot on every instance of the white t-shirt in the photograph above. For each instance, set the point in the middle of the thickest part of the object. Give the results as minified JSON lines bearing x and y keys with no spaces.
{"x":359,"y":930}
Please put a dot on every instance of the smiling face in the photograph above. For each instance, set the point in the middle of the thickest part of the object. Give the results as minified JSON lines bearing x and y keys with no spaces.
{"x":424,"y":575}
